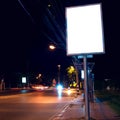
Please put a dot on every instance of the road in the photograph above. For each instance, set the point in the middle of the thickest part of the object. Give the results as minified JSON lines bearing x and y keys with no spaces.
{"x":37,"y":105}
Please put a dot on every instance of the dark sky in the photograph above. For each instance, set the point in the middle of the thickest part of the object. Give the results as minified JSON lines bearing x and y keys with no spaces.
{"x":25,"y":34}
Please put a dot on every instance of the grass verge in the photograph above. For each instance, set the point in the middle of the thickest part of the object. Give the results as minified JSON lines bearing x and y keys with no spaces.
{"x":111,"y":97}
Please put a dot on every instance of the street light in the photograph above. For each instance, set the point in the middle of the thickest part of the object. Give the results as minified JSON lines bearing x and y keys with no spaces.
{"x":39,"y":78}
{"x":52,"y":47}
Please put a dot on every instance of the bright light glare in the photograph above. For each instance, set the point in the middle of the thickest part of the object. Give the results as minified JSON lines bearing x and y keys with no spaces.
{"x":59,"y":88}
{"x":38,"y":87}
{"x":69,"y":91}
{"x":52,"y":47}
{"x":82,"y":74}
{"x":84,"y":30}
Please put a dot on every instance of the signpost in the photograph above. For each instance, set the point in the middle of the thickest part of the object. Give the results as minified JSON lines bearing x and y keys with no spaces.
{"x":85,"y":37}
{"x":87,"y":110}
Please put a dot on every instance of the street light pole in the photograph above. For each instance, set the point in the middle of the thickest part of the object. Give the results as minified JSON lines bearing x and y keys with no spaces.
{"x":59,"y":74}
{"x":87,"y":109}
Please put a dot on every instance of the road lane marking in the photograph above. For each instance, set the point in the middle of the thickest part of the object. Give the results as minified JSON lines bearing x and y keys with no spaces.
{"x":59,"y":113}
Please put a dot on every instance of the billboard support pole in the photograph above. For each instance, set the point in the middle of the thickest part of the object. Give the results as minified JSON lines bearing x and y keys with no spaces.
{"x":86,"y":90}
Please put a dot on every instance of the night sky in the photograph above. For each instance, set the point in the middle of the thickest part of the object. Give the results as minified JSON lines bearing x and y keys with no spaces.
{"x":27,"y":28}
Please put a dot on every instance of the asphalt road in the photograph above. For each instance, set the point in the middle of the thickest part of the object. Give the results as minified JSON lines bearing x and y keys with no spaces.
{"x":37,"y":105}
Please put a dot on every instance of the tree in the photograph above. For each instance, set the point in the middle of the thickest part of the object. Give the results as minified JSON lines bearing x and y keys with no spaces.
{"x":71,"y":73}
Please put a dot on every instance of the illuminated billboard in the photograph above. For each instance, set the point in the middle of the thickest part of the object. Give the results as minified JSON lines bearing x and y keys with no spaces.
{"x":84,"y":30}
{"x":24,"y":80}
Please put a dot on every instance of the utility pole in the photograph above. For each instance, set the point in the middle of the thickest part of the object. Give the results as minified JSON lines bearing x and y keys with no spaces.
{"x":87,"y":109}
{"x":59,"y":74}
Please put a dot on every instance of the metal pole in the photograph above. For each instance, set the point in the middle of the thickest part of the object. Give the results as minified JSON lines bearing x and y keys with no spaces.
{"x":77,"y":80}
{"x":87,"y":111}
{"x":58,"y":74}
{"x":77,"y":76}
{"x":1,"y":86}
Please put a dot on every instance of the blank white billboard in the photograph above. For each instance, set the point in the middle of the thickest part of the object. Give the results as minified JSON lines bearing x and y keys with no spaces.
{"x":84,"y":30}
{"x":24,"y":80}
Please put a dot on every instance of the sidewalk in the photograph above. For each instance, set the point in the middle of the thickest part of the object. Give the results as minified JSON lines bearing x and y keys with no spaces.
{"x":76,"y":111}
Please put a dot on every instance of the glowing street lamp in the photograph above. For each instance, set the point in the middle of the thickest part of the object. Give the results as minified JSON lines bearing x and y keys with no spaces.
{"x":39,"y":75}
{"x":52,"y":47}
